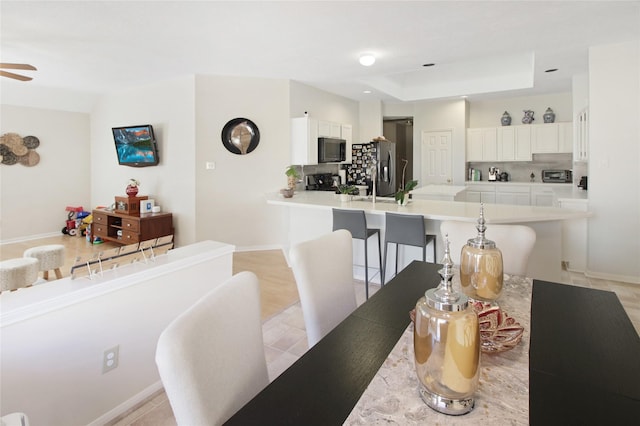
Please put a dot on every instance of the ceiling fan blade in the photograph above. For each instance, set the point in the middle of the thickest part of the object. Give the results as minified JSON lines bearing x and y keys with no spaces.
{"x":14,"y":76}
{"x":18,"y":66}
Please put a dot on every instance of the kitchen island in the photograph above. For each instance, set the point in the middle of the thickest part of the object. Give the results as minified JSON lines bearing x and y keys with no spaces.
{"x":308,"y":215}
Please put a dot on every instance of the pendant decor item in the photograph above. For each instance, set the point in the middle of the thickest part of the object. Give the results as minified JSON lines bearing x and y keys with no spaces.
{"x":549,"y":116}
{"x":481,"y":268}
{"x":132,"y":188}
{"x":528,"y":117}
{"x":446,"y":341}
{"x":506,"y":119}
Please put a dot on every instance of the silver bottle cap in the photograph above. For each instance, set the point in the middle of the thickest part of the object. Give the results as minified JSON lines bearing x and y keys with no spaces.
{"x":444,"y":297}
{"x":480,"y":242}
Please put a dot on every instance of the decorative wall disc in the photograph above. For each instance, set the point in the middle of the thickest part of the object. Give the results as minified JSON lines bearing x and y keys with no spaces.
{"x":16,"y":149}
{"x":31,"y":142}
{"x":240,"y":136}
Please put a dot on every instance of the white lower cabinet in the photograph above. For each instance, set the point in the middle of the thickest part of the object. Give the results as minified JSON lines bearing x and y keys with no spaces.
{"x":543,"y":197}
{"x":574,"y":237}
{"x":481,"y":194}
{"x":513,"y":194}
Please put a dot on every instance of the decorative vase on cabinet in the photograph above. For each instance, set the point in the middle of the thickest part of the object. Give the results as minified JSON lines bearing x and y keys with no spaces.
{"x":506,"y":119}
{"x":549,"y":116}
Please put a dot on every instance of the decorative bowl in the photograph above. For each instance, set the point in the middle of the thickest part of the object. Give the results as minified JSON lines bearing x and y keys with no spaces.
{"x":287,"y":192}
{"x":498,"y":331}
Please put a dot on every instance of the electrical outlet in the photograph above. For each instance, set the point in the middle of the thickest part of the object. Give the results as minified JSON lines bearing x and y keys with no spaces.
{"x":110,"y":359}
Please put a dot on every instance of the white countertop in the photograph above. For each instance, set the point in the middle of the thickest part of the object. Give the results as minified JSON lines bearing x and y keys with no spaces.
{"x":439,"y":189}
{"x":434,"y":210}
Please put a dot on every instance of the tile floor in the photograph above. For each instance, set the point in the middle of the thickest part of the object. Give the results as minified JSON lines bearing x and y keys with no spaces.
{"x":285,"y":341}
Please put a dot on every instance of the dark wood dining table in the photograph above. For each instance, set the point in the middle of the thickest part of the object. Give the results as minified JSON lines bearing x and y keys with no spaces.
{"x":584,"y":358}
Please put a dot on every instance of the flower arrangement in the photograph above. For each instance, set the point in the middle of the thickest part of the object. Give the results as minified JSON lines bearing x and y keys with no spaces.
{"x":133,"y":183}
{"x":402,"y":196}
{"x":346,"y":189}
{"x":292,"y":177}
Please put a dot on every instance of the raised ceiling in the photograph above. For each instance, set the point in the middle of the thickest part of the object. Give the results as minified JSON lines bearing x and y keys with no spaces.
{"x":480,"y":48}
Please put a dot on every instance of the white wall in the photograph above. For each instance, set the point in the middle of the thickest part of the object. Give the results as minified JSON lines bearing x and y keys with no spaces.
{"x":437,"y":116}
{"x":230,"y":203}
{"x":170,"y":108}
{"x":370,"y":120}
{"x":614,"y":160}
{"x":488,"y":113}
{"x":323,"y":105}
{"x":33,"y":199}
{"x":52,"y":349}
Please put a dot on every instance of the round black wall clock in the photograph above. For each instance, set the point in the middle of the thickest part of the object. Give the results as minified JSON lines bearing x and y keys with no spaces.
{"x":240,"y":136}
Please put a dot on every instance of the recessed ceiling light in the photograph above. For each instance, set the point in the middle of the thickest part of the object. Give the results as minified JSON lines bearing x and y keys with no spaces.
{"x":428,"y":65}
{"x":464,"y":96}
{"x":367,"y":91}
{"x":367,"y":59}
{"x":551,"y":70}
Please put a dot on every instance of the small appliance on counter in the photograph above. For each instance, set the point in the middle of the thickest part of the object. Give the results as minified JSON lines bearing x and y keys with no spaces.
{"x":557,"y":176}
{"x":493,"y":174}
{"x":320,"y":182}
{"x":503,"y":177}
{"x":583,"y":183}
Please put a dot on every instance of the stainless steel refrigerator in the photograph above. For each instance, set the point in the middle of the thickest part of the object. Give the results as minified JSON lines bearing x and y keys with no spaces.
{"x":384,"y":154}
{"x":365,"y":156}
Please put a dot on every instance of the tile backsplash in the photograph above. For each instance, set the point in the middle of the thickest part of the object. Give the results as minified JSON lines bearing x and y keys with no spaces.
{"x":520,"y":171}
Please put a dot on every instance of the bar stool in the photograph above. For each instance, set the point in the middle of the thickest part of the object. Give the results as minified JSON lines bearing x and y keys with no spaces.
{"x":51,"y":258}
{"x":406,"y":229}
{"x":355,"y":222}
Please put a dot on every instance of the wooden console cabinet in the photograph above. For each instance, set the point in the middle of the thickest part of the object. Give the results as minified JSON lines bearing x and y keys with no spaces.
{"x":110,"y":225}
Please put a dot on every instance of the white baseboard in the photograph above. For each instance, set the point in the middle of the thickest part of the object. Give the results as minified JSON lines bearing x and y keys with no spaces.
{"x":612,"y":277}
{"x":30,"y":237}
{"x":128,"y":406}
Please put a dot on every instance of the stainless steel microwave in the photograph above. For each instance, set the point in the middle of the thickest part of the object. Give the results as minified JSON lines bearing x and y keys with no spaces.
{"x":332,"y":150}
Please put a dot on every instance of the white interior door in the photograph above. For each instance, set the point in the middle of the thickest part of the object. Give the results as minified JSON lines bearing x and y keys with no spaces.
{"x":436,"y":158}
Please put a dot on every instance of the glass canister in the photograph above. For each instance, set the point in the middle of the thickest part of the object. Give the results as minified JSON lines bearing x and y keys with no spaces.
{"x":481,"y":268}
{"x":446,"y":341}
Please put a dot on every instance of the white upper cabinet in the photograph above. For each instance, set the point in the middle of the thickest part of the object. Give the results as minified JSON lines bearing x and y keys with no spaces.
{"x":514,"y":143}
{"x":304,"y":141}
{"x":328,"y":129}
{"x":552,"y":138}
{"x":305,"y":132}
{"x":482,"y":144}
{"x":581,"y":141}
{"x":346,"y":133}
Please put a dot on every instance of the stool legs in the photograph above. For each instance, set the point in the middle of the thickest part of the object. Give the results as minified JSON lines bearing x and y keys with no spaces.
{"x":366,"y":270}
{"x":57,"y":271}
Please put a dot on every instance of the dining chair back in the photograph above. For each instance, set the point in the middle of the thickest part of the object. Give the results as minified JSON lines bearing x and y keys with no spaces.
{"x":355,"y":222}
{"x":516,"y":242}
{"x":323,"y":270}
{"x":211,"y":357}
{"x":406,"y":229}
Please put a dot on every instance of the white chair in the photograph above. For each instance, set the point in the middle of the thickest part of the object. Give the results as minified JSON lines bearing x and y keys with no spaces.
{"x":323,"y":270}
{"x":211,"y":357}
{"x":514,"y":241}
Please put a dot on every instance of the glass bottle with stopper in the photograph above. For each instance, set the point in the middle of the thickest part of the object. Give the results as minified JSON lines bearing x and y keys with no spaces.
{"x":446,"y":341}
{"x":481,"y":267}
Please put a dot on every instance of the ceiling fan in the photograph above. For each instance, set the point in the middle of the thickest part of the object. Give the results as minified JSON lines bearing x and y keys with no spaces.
{"x":16,"y":67}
